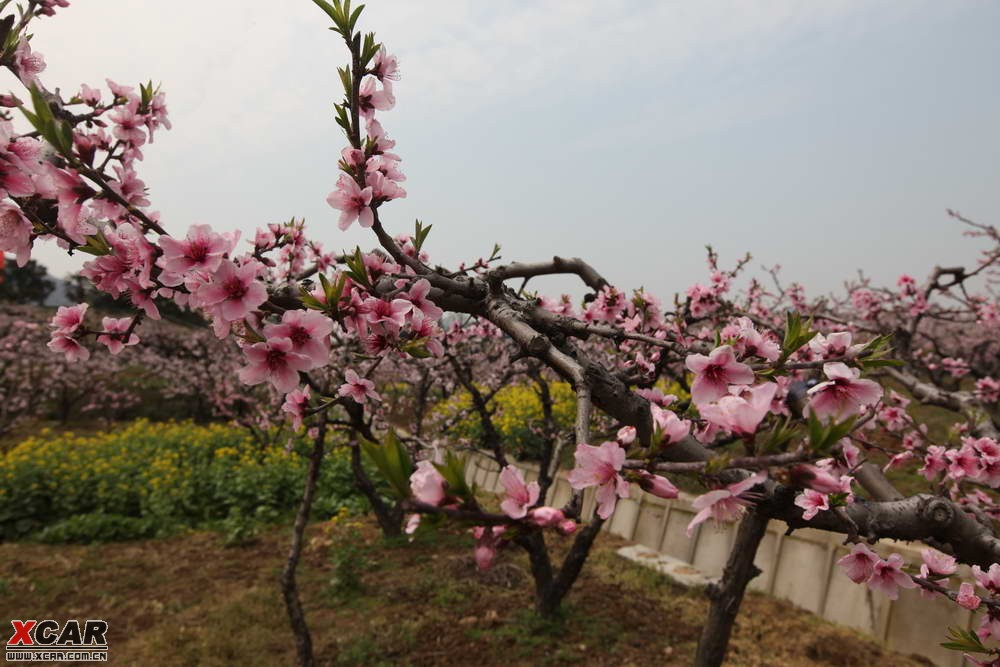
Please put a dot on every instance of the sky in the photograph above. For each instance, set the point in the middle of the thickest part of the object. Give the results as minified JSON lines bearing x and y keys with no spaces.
{"x":823,"y":136}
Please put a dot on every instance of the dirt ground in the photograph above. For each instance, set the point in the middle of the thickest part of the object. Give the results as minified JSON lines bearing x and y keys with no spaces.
{"x":190,"y":601}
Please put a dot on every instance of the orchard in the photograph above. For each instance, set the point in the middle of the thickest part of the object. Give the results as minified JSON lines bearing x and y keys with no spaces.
{"x":764,"y":402}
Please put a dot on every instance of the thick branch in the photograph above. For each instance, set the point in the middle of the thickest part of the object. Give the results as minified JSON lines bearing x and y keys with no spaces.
{"x":558,"y":265}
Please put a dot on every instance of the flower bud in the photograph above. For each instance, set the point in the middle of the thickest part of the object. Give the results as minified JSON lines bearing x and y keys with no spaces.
{"x":657,"y":485}
{"x":546,"y":517}
{"x":567,"y":527}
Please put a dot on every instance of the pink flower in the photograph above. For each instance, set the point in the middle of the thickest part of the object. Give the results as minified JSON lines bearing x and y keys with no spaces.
{"x":48,"y":7}
{"x":987,"y":447}
{"x":672,"y":428}
{"x":599,"y":466}
{"x":626,"y":435}
{"x":275,"y":362}
{"x":843,"y":395}
{"x":385,"y":67}
{"x":353,"y":202}
{"x":129,"y":124}
{"x":749,"y":342}
{"x":296,"y":403}
{"x":715,"y":372}
{"x":834,"y":346}
{"x":724,"y":505}
{"x":740,"y":415}
{"x":817,"y":479}
{"x":967,"y":597}
{"x":487,"y":543}
{"x":859,"y":564}
{"x":934,"y":462}
{"x":957,"y":367}
{"x":202,"y":250}
{"x":867,"y":302}
{"x":69,"y":346}
{"x":963,"y":462}
{"x":68,"y":187}
{"x":309,"y":332}
{"x":989,"y":626}
{"x":388,"y":168}
{"x":114,"y":336}
{"x":69,"y":318}
{"x":813,"y":502}
{"x":370,"y":99}
{"x":990,"y":579}
{"x":233,"y":292}
{"x":417,"y":296}
{"x":383,"y":189}
{"x":90,"y":96}
{"x":656,"y":397}
{"x":888,"y":577}
{"x":352,"y":157}
{"x":657,"y":485}
{"x":358,"y":388}
{"x":987,"y":389}
{"x":28,"y":63}
{"x":427,"y":484}
{"x":15,"y":232}
{"x":894,"y":417}
{"x":379,"y":311}
{"x":520,"y":496}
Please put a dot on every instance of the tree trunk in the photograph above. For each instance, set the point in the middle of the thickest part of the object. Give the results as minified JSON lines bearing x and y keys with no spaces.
{"x":289,"y":589}
{"x":551,"y":587}
{"x":541,"y":571}
{"x":390,"y":519}
{"x":727,"y":594}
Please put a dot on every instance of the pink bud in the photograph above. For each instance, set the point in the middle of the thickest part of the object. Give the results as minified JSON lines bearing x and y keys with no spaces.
{"x":967,"y":597}
{"x":546,"y":517}
{"x":658,"y":486}
{"x":567,"y":527}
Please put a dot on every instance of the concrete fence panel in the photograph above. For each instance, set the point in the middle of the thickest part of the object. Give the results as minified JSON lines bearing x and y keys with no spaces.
{"x":800,"y":567}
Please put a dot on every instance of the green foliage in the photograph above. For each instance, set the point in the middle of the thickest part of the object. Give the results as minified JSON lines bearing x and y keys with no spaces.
{"x":100,"y":527}
{"x":169,"y":474}
{"x":239,"y":529}
{"x":393,"y":461}
{"x":453,"y":471}
{"x":964,"y":640}
{"x":824,"y":435}
{"x":420,"y":234}
{"x":797,"y":334}
{"x":876,"y":353}
{"x":356,"y":269}
{"x":54,"y":130}
{"x":349,"y":555}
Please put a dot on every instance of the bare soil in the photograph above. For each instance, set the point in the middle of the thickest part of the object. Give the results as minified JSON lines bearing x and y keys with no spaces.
{"x":190,"y":601}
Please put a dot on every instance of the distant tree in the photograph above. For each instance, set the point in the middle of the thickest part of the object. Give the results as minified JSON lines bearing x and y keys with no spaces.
{"x":26,"y":284}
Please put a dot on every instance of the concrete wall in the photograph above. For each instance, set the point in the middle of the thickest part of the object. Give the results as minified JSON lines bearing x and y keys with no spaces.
{"x":800,"y":567}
